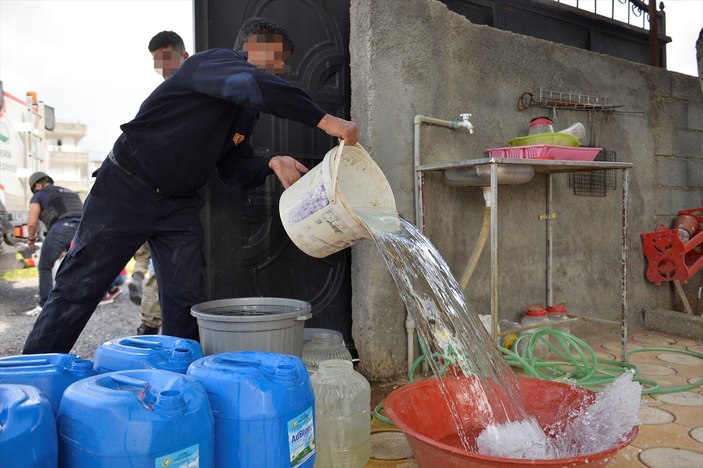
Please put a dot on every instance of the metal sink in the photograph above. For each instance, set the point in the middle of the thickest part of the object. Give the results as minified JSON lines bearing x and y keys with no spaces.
{"x":480,"y":176}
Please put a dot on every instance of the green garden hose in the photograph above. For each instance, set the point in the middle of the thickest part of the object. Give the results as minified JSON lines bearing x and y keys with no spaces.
{"x":578,"y":365}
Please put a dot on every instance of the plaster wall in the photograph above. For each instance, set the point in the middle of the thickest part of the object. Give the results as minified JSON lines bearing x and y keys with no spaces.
{"x":417,"y":57}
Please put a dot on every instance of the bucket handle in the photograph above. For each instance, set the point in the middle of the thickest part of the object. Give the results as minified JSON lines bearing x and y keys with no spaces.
{"x":142,"y":343}
{"x":303,"y":317}
{"x":334,"y":168}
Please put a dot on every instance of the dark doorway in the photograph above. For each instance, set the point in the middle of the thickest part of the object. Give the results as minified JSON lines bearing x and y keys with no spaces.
{"x":248,"y":253}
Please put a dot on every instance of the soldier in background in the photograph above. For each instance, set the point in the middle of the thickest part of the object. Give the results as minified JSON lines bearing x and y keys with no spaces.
{"x":60,"y":210}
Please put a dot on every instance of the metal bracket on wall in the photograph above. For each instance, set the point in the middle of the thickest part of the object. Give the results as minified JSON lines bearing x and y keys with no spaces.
{"x":564,"y":100}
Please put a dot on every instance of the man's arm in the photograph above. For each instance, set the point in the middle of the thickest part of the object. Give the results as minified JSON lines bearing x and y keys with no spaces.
{"x":33,"y":222}
{"x":340,"y":128}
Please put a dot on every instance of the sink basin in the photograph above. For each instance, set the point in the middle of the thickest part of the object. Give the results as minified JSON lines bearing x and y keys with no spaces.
{"x":480,"y":176}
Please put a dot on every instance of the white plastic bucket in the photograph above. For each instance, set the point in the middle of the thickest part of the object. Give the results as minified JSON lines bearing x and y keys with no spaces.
{"x":317,"y":211}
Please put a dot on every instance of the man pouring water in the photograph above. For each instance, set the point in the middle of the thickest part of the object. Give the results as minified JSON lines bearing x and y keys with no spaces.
{"x":197,"y":122}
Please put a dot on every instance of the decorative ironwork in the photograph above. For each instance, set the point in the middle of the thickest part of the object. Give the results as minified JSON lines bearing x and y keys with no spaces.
{"x":637,"y":9}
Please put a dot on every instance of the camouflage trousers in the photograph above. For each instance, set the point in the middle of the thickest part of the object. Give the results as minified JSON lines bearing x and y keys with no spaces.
{"x":150,"y":307}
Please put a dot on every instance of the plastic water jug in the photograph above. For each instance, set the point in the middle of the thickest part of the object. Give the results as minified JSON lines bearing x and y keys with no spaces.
{"x":135,"y":418}
{"x":27,"y":428}
{"x":342,"y":406}
{"x":535,"y":315}
{"x":558,"y":319}
{"x":147,"y":352}
{"x":50,"y":373}
{"x":263,"y":406}
{"x":506,"y":339}
{"x":325,"y":345}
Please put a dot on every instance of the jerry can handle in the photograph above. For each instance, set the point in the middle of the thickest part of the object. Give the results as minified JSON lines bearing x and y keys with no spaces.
{"x":26,"y":362}
{"x":142,"y":343}
{"x":236,"y":361}
{"x":123,"y":379}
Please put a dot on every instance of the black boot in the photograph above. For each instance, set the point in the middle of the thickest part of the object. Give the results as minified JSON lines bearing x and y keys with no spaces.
{"x":145,"y":330}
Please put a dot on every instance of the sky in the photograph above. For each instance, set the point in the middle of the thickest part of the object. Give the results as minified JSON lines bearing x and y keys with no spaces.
{"x":88,"y":59}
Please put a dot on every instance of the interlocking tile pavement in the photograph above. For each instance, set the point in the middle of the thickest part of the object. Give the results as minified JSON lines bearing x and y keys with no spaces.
{"x":671,"y":432}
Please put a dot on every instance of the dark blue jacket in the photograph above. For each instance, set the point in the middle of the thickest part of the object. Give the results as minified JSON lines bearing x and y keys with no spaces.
{"x":202,"y":118}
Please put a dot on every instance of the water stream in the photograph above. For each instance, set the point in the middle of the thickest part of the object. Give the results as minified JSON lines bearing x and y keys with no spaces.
{"x":458,"y":345}
{"x":456,"y":341}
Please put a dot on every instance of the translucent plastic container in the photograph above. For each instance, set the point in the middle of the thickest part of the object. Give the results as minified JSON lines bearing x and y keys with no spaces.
{"x":577,"y":130}
{"x":541,"y":125}
{"x":325,"y":345}
{"x":508,"y":339}
{"x":535,"y":315}
{"x":343,"y":424}
{"x":558,"y":319}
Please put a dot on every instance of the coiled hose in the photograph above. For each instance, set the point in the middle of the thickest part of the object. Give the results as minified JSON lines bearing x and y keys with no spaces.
{"x":575,"y":362}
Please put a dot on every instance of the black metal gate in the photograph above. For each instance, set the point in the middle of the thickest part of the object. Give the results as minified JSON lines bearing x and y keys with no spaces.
{"x":247,"y":251}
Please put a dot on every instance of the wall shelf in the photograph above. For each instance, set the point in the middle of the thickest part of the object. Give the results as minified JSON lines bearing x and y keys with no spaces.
{"x":549,"y":168}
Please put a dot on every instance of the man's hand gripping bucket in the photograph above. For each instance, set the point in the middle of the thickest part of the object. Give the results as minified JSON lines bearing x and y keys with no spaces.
{"x":318,"y":211}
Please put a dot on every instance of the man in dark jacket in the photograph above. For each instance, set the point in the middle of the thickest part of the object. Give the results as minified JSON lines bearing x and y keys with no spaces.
{"x":60,"y":210}
{"x":197,"y":122}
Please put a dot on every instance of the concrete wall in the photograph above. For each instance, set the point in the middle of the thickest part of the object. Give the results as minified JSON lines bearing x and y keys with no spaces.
{"x":417,"y":57}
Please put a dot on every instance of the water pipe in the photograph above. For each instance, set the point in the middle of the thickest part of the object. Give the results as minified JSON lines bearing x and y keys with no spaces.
{"x":418,"y":121}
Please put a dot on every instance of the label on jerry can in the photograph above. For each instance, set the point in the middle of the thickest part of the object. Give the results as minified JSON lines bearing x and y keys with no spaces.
{"x":301,"y":438}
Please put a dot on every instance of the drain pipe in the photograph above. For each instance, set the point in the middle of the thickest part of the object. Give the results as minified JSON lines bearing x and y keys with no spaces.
{"x":464,"y":122}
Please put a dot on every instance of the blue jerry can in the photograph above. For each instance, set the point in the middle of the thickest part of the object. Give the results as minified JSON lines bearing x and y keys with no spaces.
{"x":135,"y":418}
{"x":263,"y":405}
{"x":27,"y":428}
{"x":147,"y":352}
{"x":51,"y":373}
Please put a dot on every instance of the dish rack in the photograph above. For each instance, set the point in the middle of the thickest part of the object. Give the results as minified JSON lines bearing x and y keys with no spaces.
{"x":568,"y":153}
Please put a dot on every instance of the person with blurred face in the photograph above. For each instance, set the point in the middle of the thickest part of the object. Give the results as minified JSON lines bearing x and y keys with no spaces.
{"x":195,"y":124}
{"x":168,"y":51}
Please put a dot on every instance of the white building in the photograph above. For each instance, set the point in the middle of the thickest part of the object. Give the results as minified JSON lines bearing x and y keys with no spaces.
{"x":68,"y":164}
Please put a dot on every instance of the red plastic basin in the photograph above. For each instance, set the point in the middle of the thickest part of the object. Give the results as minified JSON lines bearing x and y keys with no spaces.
{"x":420,"y":411}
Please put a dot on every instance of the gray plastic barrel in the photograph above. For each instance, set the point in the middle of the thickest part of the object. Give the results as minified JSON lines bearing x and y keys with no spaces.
{"x":252,"y":323}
